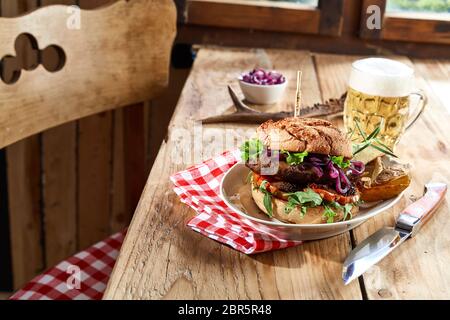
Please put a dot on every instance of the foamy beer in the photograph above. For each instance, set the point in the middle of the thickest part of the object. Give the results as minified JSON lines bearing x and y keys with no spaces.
{"x":379,"y":94}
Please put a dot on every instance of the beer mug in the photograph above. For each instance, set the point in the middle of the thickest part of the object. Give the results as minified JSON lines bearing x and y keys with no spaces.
{"x":379,"y":94}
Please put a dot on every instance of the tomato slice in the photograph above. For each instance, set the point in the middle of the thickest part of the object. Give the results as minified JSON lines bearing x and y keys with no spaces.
{"x":325,"y":194}
{"x":258,"y":180}
{"x":331,"y":196}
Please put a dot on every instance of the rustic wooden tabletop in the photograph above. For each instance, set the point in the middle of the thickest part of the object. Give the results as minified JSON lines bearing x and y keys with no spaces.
{"x":163,"y":259}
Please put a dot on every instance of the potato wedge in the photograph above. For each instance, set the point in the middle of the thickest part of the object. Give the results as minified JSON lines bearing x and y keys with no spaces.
{"x":385,"y":178}
{"x":382,"y":192}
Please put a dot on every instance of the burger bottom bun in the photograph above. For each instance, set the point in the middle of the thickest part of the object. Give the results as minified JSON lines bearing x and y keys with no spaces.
{"x":313,"y":215}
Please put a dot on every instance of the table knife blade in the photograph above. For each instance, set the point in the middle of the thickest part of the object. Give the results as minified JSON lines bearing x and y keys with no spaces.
{"x":371,"y":251}
{"x":384,"y":241}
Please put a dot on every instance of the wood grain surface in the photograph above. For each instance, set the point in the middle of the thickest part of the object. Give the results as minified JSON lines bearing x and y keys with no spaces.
{"x":67,"y":185}
{"x":24,"y":207}
{"x":418,"y":270}
{"x":235,"y":14}
{"x":417,"y":28}
{"x":24,"y":196}
{"x":163,"y":259}
{"x":118,"y":76}
{"x":59,"y":184}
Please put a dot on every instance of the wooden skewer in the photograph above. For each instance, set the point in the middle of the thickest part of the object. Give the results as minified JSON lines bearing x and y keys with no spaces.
{"x":298,"y":96}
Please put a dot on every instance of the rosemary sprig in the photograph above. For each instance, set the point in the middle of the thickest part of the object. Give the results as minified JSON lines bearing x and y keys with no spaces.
{"x":372,"y":141}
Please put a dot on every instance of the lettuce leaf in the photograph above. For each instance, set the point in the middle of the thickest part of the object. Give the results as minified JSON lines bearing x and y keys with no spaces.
{"x":267,"y":201}
{"x":340,"y":162}
{"x":294,"y":158}
{"x":251,"y":149}
{"x":329,"y":214}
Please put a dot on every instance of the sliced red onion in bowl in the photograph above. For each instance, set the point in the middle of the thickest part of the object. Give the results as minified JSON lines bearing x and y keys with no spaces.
{"x":262,"y":77}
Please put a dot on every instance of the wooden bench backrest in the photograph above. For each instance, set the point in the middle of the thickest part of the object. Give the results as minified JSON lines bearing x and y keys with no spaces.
{"x":107,"y":58}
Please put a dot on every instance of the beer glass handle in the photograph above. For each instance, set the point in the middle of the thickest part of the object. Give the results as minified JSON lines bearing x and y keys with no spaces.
{"x":420,"y":108}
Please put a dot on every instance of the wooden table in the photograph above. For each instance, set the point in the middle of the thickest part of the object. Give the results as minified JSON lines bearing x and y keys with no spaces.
{"x":163,"y":259}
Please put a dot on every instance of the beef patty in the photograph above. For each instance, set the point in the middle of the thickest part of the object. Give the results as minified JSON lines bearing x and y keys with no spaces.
{"x":279,"y":170}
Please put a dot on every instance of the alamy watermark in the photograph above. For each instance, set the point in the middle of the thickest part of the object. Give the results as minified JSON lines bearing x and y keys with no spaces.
{"x":74,"y":20}
{"x":373,"y":21}
{"x":198,"y":143}
{"x":74,"y":279}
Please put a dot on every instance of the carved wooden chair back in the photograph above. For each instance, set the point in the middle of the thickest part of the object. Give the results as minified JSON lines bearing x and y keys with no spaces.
{"x":82,"y":62}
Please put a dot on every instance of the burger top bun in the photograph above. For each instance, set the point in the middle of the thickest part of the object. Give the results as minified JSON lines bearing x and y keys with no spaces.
{"x":305,"y":134}
{"x":312,"y":216}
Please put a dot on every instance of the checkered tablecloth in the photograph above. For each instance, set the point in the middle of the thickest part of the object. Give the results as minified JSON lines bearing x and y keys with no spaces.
{"x":81,"y":277}
{"x":198,"y":187}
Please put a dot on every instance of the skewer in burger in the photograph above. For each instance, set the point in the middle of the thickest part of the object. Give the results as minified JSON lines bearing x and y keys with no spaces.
{"x":302,"y":171}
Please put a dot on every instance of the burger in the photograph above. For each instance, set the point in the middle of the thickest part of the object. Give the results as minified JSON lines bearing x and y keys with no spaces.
{"x":302,"y":171}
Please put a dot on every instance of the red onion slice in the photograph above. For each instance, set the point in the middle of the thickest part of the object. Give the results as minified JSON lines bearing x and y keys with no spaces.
{"x":263,"y":77}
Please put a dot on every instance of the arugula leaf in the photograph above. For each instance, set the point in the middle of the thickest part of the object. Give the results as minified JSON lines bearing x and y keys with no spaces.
{"x":309,"y":197}
{"x":290,"y":206}
{"x":304,"y":199}
{"x":329,"y":214}
{"x":347,"y":209}
{"x":268,"y":203}
{"x":340,"y":162}
{"x":251,"y":149}
{"x":303,"y":211}
{"x":294,"y":158}
{"x":267,"y":198}
{"x":263,"y":186}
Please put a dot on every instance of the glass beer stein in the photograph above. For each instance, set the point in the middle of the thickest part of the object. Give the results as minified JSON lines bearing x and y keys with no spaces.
{"x":379,"y":94}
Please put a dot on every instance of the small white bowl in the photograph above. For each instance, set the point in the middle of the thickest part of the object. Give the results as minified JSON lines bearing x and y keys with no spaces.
{"x":263,"y":94}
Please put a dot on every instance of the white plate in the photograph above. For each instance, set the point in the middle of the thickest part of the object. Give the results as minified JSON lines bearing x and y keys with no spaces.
{"x":235,"y":183}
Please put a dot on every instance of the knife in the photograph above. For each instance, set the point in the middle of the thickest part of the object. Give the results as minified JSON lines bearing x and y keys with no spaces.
{"x":382,"y":242}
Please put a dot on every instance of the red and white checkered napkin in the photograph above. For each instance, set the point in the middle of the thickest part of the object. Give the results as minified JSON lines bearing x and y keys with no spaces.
{"x":198,"y":187}
{"x":95,"y":265}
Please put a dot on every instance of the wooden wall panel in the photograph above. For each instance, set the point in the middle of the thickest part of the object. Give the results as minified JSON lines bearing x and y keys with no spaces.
{"x":11,"y":8}
{"x":59,"y":166}
{"x":24,"y":192}
{"x":119,"y":180}
{"x":135,"y":157}
{"x":95,"y":155}
{"x":59,"y":149}
{"x":119,"y":215}
{"x":5,"y":241}
{"x":24,"y":196}
{"x":128,"y":172}
{"x":94,"y":178}
{"x":331,"y":17}
{"x":77,"y":183}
